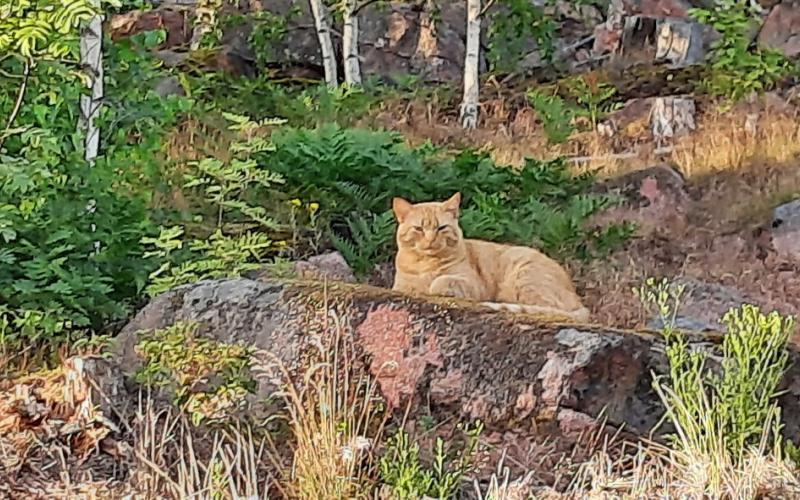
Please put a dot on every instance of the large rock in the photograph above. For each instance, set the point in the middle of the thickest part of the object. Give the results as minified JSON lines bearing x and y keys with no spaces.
{"x":520,"y":374}
{"x":786,"y":230}
{"x":781,"y":29}
{"x":679,"y":42}
{"x":654,"y":199}
{"x":702,"y":306}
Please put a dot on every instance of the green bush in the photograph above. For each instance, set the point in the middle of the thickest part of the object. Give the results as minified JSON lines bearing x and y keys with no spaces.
{"x":59,"y":259}
{"x":738,"y":69}
{"x":354,"y":174}
{"x":409,"y":479}
{"x":727,"y":410}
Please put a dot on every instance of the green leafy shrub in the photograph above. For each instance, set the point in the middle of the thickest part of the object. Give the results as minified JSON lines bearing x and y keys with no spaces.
{"x":207,"y":379}
{"x":556,"y":115}
{"x":71,"y":230}
{"x":729,"y":410}
{"x":403,"y":472}
{"x":226,"y":196}
{"x":354,"y":174}
{"x":512,"y":24}
{"x":738,"y":69}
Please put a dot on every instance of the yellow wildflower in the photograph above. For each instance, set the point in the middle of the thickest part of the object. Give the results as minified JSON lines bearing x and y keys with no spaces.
{"x":296,"y":202}
{"x":313,"y":206}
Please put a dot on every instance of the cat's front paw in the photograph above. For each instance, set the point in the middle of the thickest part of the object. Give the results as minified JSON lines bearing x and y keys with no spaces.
{"x":451,"y":286}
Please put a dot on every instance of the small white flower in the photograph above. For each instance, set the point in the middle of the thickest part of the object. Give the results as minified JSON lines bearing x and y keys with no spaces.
{"x":347,"y":453}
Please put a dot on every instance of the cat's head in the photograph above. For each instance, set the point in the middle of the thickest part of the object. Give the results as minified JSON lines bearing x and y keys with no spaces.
{"x":429,"y":229}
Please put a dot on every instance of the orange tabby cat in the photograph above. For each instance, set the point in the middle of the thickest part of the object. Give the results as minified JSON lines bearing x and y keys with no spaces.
{"x":434,"y":258}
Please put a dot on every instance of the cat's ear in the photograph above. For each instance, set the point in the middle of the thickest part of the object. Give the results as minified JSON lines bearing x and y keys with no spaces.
{"x":401,"y":209}
{"x":452,"y":204}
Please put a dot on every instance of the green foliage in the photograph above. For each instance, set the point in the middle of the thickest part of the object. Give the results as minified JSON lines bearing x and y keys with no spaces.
{"x":588,"y":98}
{"x":262,"y":96}
{"x":218,"y":256}
{"x":595,"y":97}
{"x":354,"y":174}
{"x":730,"y":409}
{"x":737,"y":69}
{"x":268,"y":31}
{"x":227,"y":192}
{"x":50,"y":262}
{"x":402,"y":470}
{"x":207,"y":379}
{"x":20,"y":326}
{"x":556,"y":115}
{"x":43,"y":29}
{"x":369,"y":240}
{"x":511,"y":25}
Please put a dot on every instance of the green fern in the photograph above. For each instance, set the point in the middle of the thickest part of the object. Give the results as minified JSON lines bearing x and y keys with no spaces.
{"x":369,"y":241}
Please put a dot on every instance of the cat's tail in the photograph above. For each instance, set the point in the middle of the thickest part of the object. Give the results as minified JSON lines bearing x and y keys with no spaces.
{"x":580,"y":314}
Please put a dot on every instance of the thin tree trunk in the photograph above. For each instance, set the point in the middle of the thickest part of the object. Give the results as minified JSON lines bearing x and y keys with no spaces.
{"x":469,"y":106}
{"x":92,"y":62}
{"x":352,"y":66}
{"x":91,"y":46}
{"x":320,"y":13}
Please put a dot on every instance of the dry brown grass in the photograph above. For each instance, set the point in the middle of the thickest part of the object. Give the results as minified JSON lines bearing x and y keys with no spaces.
{"x":722,"y":141}
{"x":176,"y":460}
{"x":335,"y":425}
{"x":336,"y":418}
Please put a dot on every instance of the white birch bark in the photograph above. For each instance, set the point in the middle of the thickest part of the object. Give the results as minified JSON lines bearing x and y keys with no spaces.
{"x":352,"y":66}
{"x":91,"y":47}
{"x":320,"y":13}
{"x":469,"y":104}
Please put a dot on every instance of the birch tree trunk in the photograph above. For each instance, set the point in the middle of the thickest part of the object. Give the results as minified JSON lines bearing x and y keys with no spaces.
{"x":469,"y":105}
{"x":352,"y":66}
{"x":91,"y":47}
{"x":320,"y":13}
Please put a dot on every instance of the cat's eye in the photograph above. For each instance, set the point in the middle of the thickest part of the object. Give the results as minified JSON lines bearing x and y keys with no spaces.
{"x":442,"y":227}
{"x":417,"y":228}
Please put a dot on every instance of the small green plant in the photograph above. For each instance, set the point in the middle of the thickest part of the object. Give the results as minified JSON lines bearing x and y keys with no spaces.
{"x":736,"y":68}
{"x":369,"y":241}
{"x":228,"y":192}
{"x":306,"y":225}
{"x":731,"y":409}
{"x":556,"y":115}
{"x":595,"y":97}
{"x":207,"y":379}
{"x":403,"y":472}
